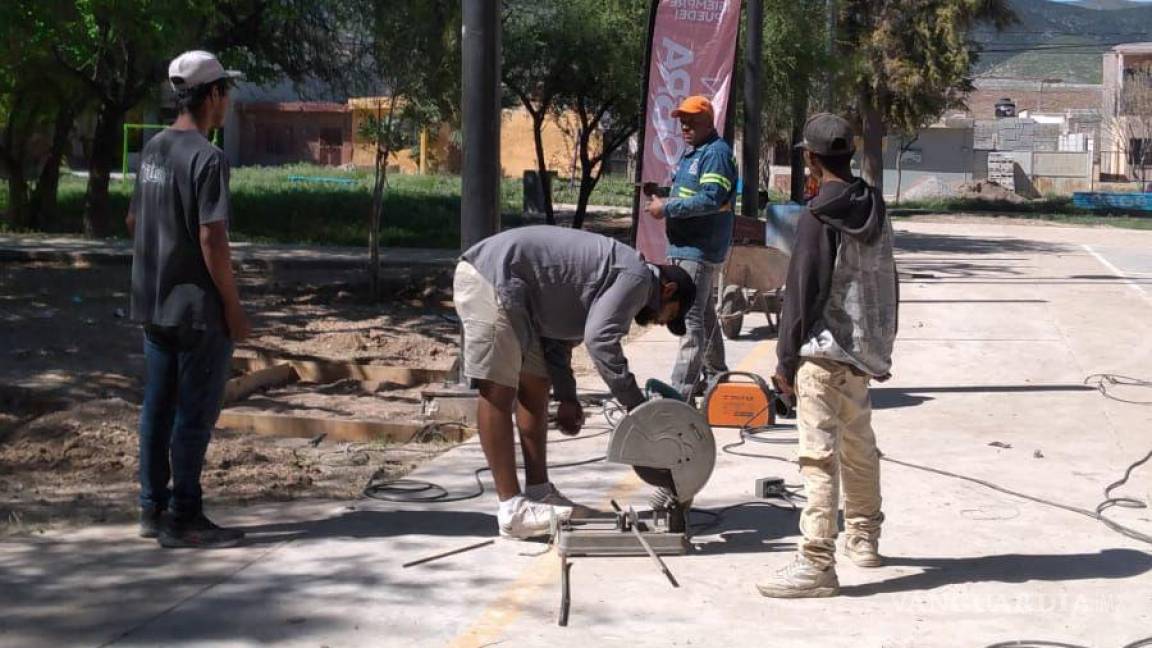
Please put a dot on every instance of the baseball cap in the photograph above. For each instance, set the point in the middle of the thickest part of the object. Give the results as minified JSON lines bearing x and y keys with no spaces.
{"x":694,"y":105}
{"x":685,"y":294}
{"x":828,"y":134}
{"x":196,"y":68}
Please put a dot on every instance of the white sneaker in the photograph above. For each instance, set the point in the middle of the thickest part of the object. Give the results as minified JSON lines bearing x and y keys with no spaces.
{"x":547,"y":493}
{"x":801,"y":579}
{"x":521,"y":518}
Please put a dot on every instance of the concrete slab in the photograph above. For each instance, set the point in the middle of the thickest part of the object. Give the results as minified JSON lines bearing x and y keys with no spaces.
{"x":1011,"y":319}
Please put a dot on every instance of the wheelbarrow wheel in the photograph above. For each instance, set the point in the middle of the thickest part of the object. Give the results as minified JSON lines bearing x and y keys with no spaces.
{"x":731,"y":315}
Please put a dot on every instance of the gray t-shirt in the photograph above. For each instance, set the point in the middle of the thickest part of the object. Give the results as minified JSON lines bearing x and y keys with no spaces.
{"x":182,"y":184}
{"x":567,"y":286}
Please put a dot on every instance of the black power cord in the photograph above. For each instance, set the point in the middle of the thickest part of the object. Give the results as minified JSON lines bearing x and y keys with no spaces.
{"x":1102,"y":382}
{"x":1095,"y":515}
{"x":407,"y":491}
{"x":1040,"y":643}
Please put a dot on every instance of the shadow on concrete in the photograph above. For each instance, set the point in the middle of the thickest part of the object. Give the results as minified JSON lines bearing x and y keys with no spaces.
{"x":922,"y":242}
{"x":751,"y":528}
{"x":60,"y":593}
{"x":763,"y":332}
{"x":1008,"y":568}
{"x":377,"y":524}
{"x":916,"y":270}
{"x":895,"y":397}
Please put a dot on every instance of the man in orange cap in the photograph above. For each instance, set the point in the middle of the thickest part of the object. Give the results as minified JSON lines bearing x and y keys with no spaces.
{"x":699,"y":221}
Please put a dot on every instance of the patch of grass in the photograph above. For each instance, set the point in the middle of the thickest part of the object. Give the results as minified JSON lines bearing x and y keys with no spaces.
{"x":419,"y":211}
{"x":1048,"y":205}
{"x":610,"y":192}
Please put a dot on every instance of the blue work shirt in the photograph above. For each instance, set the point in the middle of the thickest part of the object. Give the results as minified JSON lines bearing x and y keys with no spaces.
{"x":699,"y":207}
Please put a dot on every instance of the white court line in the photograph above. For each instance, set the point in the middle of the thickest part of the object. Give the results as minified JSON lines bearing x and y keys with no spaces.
{"x":1118,"y":272}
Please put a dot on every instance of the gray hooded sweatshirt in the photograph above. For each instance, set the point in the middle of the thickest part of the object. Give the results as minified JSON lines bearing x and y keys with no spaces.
{"x":842,"y":292}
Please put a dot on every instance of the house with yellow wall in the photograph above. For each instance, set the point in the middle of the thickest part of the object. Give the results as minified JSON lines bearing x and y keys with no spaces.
{"x":438,"y":150}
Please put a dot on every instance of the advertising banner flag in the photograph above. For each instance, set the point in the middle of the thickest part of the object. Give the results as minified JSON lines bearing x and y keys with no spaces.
{"x":692,"y":52}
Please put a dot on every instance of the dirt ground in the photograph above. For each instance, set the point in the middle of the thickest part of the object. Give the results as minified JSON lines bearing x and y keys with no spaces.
{"x":78,"y":466}
{"x":72,"y":373}
{"x":71,"y":377}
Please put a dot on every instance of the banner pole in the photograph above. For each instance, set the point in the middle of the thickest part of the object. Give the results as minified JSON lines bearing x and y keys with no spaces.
{"x":652,"y":7}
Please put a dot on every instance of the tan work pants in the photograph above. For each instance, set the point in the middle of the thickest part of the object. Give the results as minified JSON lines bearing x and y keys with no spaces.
{"x":834,"y":416}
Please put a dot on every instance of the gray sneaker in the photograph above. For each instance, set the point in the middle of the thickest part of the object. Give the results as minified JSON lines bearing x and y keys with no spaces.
{"x":863,"y":551}
{"x":801,"y":579}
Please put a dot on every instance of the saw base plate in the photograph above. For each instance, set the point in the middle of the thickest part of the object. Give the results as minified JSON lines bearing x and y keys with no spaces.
{"x":606,"y":539}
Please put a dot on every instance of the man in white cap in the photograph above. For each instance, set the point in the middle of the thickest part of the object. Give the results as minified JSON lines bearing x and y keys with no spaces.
{"x":185,"y":297}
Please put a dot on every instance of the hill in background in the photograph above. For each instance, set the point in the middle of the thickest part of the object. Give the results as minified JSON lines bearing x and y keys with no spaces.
{"x":1064,"y":41}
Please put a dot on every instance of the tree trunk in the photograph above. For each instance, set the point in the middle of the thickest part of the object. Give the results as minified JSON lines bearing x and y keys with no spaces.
{"x":905,"y":146}
{"x":12,"y":152}
{"x":796,"y":160}
{"x":587,"y":185}
{"x":19,"y":211}
{"x":588,"y":179}
{"x":374,"y":224}
{"x":44,"y":199}
{"x":872,"y":158}
{"x":899,"y":170}
{"x":105,"y":139}
{"x":542,"y":165}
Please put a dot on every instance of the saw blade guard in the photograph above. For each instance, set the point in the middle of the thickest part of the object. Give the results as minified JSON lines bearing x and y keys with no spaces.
{"x":667,"y":434}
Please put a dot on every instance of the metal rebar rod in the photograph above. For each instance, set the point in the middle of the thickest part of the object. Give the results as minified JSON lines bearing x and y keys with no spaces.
{"x":452,"y":552}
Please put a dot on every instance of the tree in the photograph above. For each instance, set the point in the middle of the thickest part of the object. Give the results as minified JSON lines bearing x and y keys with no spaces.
{"x":1130,"y":129}
{"x":906,"y":141}
{"x":537,"y":58}
{"x":403,"y":55}
{"x":38,"y":106}
{"x":119,"y":51}
{"x":795,"y":54}
{"x":603,"y":88}
{"x":909,"y":59}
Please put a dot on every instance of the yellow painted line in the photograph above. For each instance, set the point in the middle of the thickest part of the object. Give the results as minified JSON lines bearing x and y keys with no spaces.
{"x":544,"y":570}
{"x":761,"y":359}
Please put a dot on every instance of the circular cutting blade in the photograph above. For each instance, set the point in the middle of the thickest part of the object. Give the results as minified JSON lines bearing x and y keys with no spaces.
{"x":666,"y":441}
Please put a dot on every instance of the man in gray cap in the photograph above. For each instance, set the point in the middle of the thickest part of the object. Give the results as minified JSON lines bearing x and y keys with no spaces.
{"x":184,"y":295}
{"x":837,"y":330}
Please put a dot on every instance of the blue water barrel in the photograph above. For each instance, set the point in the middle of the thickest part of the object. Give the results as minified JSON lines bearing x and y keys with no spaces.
{"x":780,"y":230}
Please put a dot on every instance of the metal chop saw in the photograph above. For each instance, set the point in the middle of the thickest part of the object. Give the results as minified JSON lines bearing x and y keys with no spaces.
{"x":670,"y":446}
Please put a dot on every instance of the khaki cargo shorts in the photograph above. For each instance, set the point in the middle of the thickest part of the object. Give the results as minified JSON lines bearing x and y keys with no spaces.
{"x":492,"y":351}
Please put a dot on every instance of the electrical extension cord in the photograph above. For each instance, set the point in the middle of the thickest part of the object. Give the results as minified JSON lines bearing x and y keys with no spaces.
{"x":407,"y":491}
{"x":1101,"y":382}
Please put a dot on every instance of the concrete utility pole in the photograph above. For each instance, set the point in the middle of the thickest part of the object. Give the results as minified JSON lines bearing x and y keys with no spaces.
{"x":753,"y":64}
{"x":480,"y":90}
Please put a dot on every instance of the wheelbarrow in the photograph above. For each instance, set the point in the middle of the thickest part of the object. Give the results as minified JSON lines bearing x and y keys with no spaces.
{"x":753,"y":277}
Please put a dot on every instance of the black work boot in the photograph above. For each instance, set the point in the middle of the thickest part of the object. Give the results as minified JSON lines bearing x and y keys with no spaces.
{"x":197,"y":532}
{"x":151,"y":520}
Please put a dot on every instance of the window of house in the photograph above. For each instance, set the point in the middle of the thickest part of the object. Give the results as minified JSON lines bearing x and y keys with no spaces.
{"x":1140,"y":151}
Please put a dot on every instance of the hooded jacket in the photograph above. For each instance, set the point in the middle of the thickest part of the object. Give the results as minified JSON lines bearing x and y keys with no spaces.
{"x":842,"y":292}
